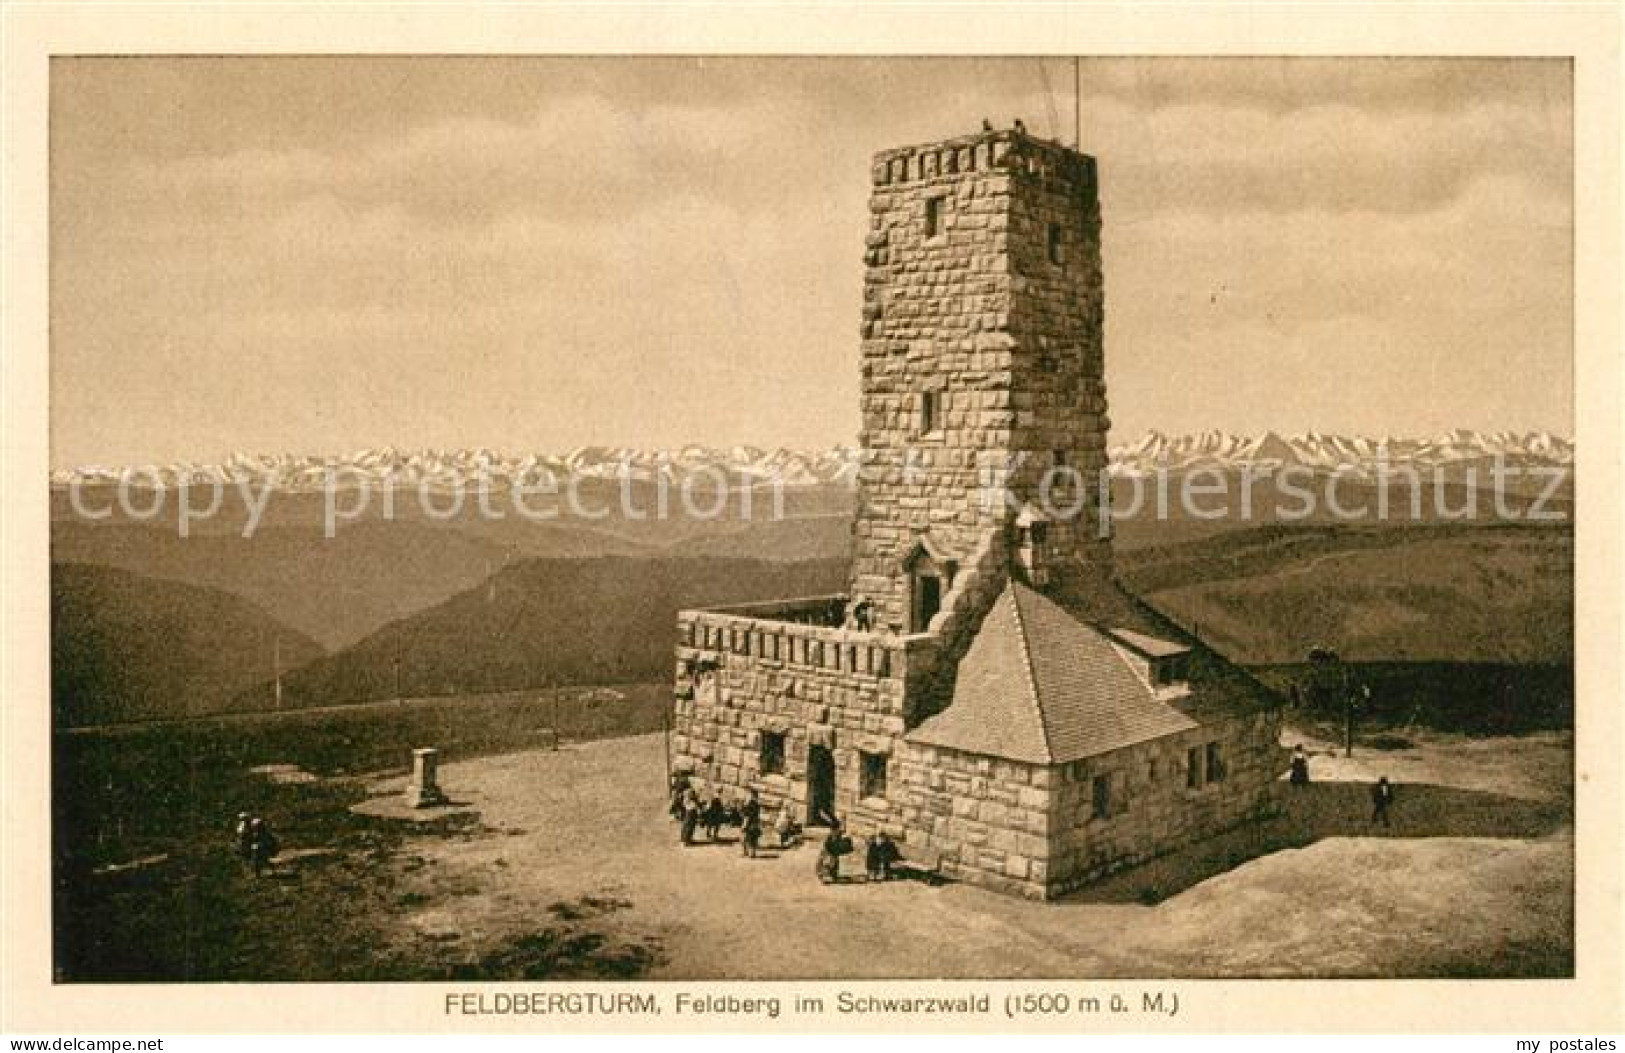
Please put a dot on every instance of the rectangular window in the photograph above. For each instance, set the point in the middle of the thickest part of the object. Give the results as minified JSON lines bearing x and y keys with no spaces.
{"x":1170,"y":669}
{"x":929,"y":412}
{"x":873,"y":781}
{"x":772,"y":760}
{"x":1193,"y":768}
{"x":1057,"y":245}
{"x":1060,"y":457}
{"x":933,"y":216}
{"x":1215,"y":763}
{"x":1102,"y":796}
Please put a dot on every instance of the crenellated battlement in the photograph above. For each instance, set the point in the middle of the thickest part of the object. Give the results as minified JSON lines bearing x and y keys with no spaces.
{"x":1005,"y":150}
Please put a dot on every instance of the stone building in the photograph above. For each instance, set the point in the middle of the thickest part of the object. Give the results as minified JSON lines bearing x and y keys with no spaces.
{"x":985,"y":691}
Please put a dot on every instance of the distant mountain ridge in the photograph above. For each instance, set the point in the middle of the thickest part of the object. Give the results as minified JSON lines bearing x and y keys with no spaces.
{"x":756,"y":466}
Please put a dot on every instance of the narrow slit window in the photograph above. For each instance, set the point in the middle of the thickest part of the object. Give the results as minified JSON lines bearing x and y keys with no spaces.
{"x":1102,"y":796}
{"x":933,"y":216}
{"x":874,"y":775}
{"x":1193,"y":768}
{"x":1057,"y":245}
{"x":929,"y":412}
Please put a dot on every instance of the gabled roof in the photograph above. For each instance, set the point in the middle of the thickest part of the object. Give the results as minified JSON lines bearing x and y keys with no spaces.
{"x":1040,"y":686}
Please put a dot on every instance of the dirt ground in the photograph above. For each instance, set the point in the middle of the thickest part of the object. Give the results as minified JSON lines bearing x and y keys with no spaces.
{"x":1475,"y":878}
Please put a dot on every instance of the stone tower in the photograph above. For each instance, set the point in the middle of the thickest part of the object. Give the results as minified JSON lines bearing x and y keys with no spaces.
{"x":983,"y":369}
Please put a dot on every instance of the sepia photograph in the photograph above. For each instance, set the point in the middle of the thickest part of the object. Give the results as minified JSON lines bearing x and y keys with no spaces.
{"x":988,"y":517}
{"x":656,"y":530}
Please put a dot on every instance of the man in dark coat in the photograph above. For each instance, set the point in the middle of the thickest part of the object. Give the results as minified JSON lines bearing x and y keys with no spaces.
{"x":691,"y":815}
{"x":882,"y":853}
{"x":1382,"y":798}
{"x":715,"y":815}
{"x":262,"y":845}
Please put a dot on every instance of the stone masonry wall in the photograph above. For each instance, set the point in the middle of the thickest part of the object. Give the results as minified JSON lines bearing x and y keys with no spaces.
{"x":985,"y":819}
{"x":1152,"y":808}
{"x":847,"y":691}
{"x":976,"y":316}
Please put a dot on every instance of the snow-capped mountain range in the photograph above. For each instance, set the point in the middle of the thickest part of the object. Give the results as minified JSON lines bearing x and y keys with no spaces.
{"x":750,"y":465}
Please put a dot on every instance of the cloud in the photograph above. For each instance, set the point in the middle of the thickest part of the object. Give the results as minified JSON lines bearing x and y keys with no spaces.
{"x":530,"y":235}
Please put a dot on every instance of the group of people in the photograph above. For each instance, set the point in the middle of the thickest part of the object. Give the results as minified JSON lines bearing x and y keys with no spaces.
{"x":256,"y":844}
{"x":695,"y":815}
{"x":879,"y":856}
{"x":1382,"y":791}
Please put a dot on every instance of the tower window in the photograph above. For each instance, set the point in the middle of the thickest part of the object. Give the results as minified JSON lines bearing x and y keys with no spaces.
{"x":1060,"y":458}
{"x":772,"y":756}
{"x":873,"y":775}
{"x":930,"y":412}
{"x":1057,"y":245}
{"x":927,"y":601}
{"x":933,"y":215}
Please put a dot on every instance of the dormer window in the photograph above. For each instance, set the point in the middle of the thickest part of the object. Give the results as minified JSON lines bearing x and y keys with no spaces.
{"x":1170,"y":670}
{"x":1163,"y":663}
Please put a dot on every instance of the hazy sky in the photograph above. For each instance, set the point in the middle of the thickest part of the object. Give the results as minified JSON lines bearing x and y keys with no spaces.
{"x":319,"y":255}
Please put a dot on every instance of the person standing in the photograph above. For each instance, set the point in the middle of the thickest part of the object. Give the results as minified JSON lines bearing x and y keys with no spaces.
{"x":715,"y":815}
{"x":1382,"y":798}
{"x":245,"y":839}
{"x":880,"y":857}
{"x":836,"y":844}
{"x":262,"y":845}
{"x":691,"y":814}
{"x":1300,"y":767}
{"x":751,"y":825}
{"x":786,"y":827}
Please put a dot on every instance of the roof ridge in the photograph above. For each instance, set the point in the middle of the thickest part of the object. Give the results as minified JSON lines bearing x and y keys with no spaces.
{"x":1027,"y":665}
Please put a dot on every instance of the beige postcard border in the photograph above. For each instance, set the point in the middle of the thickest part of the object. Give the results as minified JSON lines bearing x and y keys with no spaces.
{"x":1590,"y":34}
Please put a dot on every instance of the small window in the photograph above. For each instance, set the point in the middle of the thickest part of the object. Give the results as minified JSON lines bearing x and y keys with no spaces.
{"x":1033,"y":534}
{"x":1057,"y":245}
{"x":1060,"y":457}
{"x":1170,"y":669}
{"x":929,"y":412}
{"x":933,"y":216}
{"x":1152,"y":770}
{"x":1102,"y":796}
{"x":1193,"y":768}
{"x":1215,"y":763}
{"x":873,"y":775}
{"x":772,"y":753}
{"x":927,"y":601}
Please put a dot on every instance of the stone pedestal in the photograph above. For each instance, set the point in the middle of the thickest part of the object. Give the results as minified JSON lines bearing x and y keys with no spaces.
{"x":424,"y":789}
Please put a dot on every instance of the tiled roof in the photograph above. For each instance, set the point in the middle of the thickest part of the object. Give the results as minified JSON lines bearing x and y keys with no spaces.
{"x":1039,"y":685}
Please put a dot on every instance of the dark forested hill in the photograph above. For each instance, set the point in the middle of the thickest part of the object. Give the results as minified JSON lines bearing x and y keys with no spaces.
{"x":551,"y":621}
{"x":129,"y":647}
